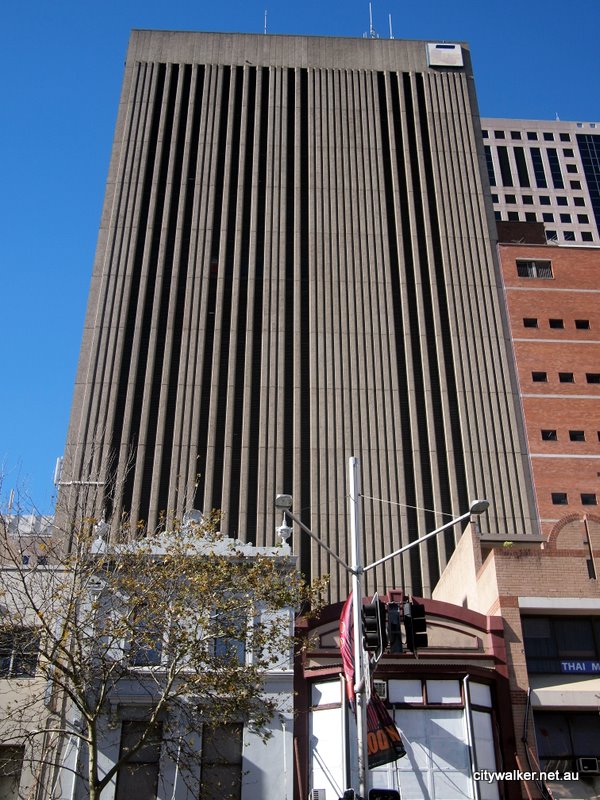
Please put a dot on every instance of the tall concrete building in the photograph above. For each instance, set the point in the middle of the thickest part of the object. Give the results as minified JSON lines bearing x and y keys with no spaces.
{"x":295,"y":267}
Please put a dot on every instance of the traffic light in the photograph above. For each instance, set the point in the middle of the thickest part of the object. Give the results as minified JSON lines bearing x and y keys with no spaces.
{"x":394,"y":627}
{"x":373,"y":626}
{"x":415,"y":626}
{"x":384,"y":794}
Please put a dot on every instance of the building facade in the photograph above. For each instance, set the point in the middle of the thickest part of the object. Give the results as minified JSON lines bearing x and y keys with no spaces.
{"x":294,"y":267}
{"x":552,"y":298}
{"x":451,"y":705}
{"x":548,"y":597}
{"x":546,"y":171}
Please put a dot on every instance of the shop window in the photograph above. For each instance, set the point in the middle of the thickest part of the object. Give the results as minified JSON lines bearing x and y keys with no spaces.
{"x":565,"y":737}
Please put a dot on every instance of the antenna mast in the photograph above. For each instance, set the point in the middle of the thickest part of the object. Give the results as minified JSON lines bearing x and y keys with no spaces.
{"x":390,"y":19}
{"x":265,"y":30}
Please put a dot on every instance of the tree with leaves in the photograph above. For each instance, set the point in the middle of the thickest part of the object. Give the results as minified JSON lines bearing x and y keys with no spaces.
{"x":145,"y":642}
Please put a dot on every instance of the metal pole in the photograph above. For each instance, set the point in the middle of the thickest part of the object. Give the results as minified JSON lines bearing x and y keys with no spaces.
{"x":359,"y":670}
{"x":419,"y":541}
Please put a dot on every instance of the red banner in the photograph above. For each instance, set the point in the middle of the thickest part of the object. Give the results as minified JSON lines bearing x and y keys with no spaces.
{"x":384,"y":741}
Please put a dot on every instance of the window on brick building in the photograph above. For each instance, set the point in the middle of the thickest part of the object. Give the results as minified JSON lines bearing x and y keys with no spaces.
{"x":577,"y":436}
{"x":539,"y":377}
{"x":556,"y":323}
{"x":588,"y":499}
{"x":582,"y":324}
{"x":559,"y":499}
{"x":534,"y":269}
{"x":530,"y":322}
{"x":566,"y":377}
{"x":547,"y":640}
{"x":592,"y":377}
{"x":549,"y":435}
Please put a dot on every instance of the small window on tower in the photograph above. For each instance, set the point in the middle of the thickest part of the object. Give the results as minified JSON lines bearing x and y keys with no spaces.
{"x":582,"y":324}
{"x":530,"y":322}
{"x":559,"y":499}
{"x":556,"y":323}
{"x":588,"y":499}
{"x":577,"y":436}
{"x":549,"y":435}
{"x":534,"y":269}
{"x":592,"y":377}
{"x":566,"y":377}
{"x":539,"y":377}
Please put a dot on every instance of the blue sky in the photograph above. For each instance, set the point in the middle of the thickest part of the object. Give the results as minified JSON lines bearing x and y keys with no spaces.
{"x":62,"y":63}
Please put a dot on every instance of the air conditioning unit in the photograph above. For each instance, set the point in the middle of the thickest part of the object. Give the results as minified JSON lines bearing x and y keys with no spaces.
{"x":317,"y":794}
{"x":381,"y":689}
{"x":588,"y":766}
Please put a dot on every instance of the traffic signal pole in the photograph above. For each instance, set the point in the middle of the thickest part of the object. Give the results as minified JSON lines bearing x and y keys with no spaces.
{"x":360,"y":677}
{"x":357,"y":570}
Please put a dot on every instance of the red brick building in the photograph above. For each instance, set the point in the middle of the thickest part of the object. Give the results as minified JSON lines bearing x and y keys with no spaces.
{"x":553,"y":295}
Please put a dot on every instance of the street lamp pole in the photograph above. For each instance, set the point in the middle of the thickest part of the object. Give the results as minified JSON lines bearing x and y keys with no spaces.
{"x":360,"y":678}
{"x":357,"y":570}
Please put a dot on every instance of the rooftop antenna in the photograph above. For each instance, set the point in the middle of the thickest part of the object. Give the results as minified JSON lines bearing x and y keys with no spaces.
{"x":390,"y":21}
{"x":372,"y":34}
{"x":265,"y":21}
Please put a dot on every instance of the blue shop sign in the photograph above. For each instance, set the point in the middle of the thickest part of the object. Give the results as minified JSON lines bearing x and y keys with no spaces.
{"x":581,"y":667}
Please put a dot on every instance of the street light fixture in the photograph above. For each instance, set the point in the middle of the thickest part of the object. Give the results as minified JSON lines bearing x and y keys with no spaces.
{"x":356,"y":569}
